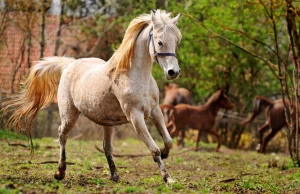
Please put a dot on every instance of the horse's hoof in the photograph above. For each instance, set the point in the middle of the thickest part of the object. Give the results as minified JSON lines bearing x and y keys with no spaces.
{"x":164,"y":154}
{"x":169,"y":180}
{"x":115,"y":178}
{"x":258,"y":147}
{"x":59,"y":175}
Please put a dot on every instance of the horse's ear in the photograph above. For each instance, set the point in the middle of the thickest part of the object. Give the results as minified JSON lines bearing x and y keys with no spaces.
{"x":220,"y":93}
{"x":153,"y":18}
{"x":175,"y":20}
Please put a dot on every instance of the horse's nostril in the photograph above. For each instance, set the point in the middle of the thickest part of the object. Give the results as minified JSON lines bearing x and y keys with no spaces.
{"x":171,"y":72}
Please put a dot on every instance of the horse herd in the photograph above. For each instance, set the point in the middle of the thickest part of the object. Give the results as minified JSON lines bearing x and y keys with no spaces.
{"x":181,"y":116}
{"x":121,"y":90}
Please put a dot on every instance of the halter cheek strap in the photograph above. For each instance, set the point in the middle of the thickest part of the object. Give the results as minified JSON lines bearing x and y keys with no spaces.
{"x":154,"y":50}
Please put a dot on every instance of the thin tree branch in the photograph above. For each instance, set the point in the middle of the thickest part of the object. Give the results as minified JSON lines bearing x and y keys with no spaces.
{"x":244,"y":34}
{"x":266,"y":61}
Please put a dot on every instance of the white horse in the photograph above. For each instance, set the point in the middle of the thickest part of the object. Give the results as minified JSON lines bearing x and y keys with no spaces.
{"x":110,"y":93}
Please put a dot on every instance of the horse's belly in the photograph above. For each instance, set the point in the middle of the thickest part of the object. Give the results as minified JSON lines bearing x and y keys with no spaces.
{"x":103,"y":111}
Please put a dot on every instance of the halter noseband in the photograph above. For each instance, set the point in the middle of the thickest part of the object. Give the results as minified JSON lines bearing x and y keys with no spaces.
{"x":154,"y":50}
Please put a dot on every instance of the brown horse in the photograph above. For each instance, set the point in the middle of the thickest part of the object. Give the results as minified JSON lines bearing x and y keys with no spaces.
{"x":275,"y":119}
{"x":175,"y":95}
{"x":201,"y":117}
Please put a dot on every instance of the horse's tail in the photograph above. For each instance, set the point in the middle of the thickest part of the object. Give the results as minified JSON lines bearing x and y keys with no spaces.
{"x":259,"y":104}
{"x":38,"y":90}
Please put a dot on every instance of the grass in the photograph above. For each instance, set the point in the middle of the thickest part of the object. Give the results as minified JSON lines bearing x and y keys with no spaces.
{"x":204,"y":171}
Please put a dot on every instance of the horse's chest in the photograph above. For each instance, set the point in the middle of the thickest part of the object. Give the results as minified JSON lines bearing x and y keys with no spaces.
{"x":140,"y":101}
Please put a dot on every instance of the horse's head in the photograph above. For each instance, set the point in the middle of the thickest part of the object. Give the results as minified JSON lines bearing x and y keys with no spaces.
{"x":163,"y":40}
{"x":223,"y":101}
{"x":170,"y":86}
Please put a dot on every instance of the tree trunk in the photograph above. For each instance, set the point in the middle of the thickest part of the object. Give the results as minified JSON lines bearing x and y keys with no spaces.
{"x":29,"y":49}
{"x":57,"y":42}
{"x":42,"y":43}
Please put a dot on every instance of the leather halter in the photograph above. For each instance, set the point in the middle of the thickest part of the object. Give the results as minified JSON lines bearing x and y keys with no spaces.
{"x":154,"y":50}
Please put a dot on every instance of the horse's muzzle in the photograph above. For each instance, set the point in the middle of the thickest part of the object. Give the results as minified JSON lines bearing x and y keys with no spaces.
{"x":172,"y":74}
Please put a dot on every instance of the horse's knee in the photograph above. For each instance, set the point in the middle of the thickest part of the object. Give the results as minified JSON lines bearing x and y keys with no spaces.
{"x":169,"y":143}
{"x":156,"y":154}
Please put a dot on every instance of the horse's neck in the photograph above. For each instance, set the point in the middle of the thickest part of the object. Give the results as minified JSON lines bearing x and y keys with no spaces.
{"x":212,"y":107}
{"x":141,"y":67}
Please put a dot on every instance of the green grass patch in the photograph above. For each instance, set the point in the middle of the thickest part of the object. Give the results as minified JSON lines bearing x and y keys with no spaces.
{"x":203,"y":171}
{"x":9,"y":191}
{"x":11,"y":135}
{"x":132,"y":189}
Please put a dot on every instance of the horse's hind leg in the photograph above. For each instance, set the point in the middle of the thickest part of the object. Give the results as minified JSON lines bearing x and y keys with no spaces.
{"x":68,"y":120}
{"x":267,"y":139}
{"x":180,"y":137}
{"x":138,"y":122}
{"x":158,"y":120}
{"x":214,"y":133}
{"x":108,"y":149}
{"x":198,"y":139}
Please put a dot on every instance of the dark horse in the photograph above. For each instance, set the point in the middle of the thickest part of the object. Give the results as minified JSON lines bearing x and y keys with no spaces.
{"x":275,"y":119}
{"x":201,"y":117}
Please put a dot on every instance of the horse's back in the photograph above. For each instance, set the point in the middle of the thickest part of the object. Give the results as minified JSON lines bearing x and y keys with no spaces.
{"x":195,"y":117}
{"x":184,"y":115}
{"x":87,"y":84}
{"x":186,"y":95}
{"x":92,"y":60}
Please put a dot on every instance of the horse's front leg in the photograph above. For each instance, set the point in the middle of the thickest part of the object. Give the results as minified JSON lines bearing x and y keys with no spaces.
{"x":108,"y":149}
{"x":158,"y":120}
{"x":138,"y":122}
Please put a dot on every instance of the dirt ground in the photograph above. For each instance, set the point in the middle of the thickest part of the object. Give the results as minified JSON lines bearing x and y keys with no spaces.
{"x":204,"y":171}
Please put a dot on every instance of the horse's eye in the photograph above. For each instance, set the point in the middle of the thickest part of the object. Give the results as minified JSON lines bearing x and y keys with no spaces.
{"x":160,"y":43}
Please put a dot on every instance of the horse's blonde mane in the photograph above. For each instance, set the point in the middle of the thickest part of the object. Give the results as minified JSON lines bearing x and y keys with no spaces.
{"x":124,"y":53}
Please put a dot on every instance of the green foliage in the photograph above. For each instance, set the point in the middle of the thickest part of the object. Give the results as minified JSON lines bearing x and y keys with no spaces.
{"x":207,"y":62}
